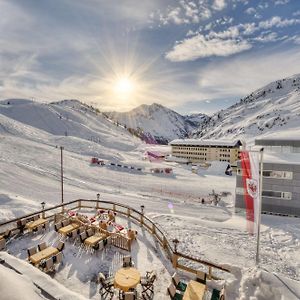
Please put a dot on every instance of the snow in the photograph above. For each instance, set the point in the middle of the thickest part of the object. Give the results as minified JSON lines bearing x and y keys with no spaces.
{"x":30,"y":173}
{"x":197,"y":142}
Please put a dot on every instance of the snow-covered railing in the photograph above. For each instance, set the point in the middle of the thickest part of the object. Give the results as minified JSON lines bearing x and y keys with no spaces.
{"x":179,"y":260}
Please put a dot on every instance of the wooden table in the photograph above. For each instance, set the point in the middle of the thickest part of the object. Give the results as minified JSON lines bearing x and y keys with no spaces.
{"x":127,"y":278}
{"x":94,"y":239}
{"x":194,"y":291}
{"x":67,"y":229}
{"x":34,"y":224}
{"x":37,"y":257}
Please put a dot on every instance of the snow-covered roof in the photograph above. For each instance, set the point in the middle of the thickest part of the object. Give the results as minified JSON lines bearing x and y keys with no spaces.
{"x":290,"y":137}
{"x":197,"y":142}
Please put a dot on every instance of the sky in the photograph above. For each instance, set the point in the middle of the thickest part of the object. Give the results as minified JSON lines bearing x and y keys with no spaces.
{"x":191,"y":56}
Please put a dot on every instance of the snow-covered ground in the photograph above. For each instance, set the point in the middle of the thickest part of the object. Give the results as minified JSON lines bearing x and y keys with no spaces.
{"x":30,"y":174}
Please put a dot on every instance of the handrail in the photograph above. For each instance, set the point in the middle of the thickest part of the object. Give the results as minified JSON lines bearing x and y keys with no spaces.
{"x":154,"y":229}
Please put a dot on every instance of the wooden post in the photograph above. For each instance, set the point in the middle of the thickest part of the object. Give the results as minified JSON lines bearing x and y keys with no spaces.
{"x":209,"y":273}
{"x":79,"y":204}
{"x":128,"y":212}
{"x":153,"y":228}
{"x":114,"y":207}
{"x":175,"y":260}
{"x":142,"y":220}
{"x":164,"y":242}
{"x":97,"y":204}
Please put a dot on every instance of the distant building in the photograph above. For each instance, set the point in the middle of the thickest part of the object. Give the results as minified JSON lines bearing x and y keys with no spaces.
{"x":281,"y":177}
{"x":194,"y":150}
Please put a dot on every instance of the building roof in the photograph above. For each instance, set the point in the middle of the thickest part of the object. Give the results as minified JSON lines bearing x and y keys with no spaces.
{"x":197,"y":142}
{"x":290,"y":137}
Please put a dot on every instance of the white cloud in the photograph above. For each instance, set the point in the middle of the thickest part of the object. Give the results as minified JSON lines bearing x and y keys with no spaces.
{"x":250,"y":11}
{"x":239,"y":76}
{"x":296,"y":13}
{"x":231,"y":32}
{"x":200,"y":46}
{"x":281,"y":2}
{"x":277,"y":22}
{"x":219,"y":4}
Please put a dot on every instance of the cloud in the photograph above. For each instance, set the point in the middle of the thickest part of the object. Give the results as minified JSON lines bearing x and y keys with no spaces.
{"x":219,"y":4}
{"x":281,"y":2}
{"x":250,"y":11}
{"x":200,"y":46}
{"x":239,"y":76}
{"x":277,"y":22}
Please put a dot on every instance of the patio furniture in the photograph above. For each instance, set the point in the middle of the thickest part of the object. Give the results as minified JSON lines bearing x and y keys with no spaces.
{"x":132,"y":234}
{"x":147,"y":284}
{"x":127,"y":261}
{"x":49,"y":265}
{"x":74,"y":234}
{"x":173,"y":294}
{"x":58,"y":257}
{"x":65,"y":223}
{"x":201,"y":277}
{"x":89,"y":232}
{"x":57,"y":226}
{"x":44,"y":254}
{"x":47,"y":225}
{"x":215,"y":295}
{"x":94,"y":240}
{"x":36,"y":217}
{"x":127,"y":278}
{"x":194,"y":291}
{"x":60,"y":246}
{"x":181,"y":286}
{"x":68,"y":229}
{"x":31,"y":251}
{"x":130,"y":296}
{"x":83,"y":237}
{"x":35,"y":224}
{"x":107,"y":286}
{"x":42,"y":246}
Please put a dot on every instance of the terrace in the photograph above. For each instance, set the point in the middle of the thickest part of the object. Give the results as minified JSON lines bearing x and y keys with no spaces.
{"x":92,"y":247}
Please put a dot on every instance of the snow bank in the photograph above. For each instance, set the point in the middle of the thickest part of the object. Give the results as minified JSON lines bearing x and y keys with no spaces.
{"x":14,"y":286}
{"x":258,"y":284}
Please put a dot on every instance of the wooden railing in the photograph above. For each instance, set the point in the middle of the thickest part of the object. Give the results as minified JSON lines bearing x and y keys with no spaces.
{"x":179,"y":260}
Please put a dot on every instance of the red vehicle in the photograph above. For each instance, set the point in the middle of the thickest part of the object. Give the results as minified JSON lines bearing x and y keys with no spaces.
{"x":97,"y":161}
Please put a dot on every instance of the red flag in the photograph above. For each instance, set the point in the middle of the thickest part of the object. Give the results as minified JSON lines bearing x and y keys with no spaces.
{"x":250,"y":176}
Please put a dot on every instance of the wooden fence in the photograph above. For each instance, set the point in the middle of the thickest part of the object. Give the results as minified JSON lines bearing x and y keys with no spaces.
{"x":179,"y":260}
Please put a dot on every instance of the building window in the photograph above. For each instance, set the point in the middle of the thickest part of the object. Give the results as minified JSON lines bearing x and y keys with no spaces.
{"x":276,"y":194}
{"x":278,"y":174}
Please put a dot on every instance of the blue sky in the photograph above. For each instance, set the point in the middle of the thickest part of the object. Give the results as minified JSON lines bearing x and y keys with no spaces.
{"x":192,"y":56}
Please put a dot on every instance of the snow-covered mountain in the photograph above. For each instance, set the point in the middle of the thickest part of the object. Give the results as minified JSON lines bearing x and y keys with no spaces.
{"x":55,"y":121}
{"x":275,"y":107}
{"x":160,"y":122}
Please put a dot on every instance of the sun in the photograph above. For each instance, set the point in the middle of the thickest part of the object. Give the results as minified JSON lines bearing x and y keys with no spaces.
{"x":124,"y":87}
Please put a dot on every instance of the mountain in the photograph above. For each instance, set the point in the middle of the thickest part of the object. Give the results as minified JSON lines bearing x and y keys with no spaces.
{"x":274,"y":107}
{"x":53,"y":122}
{"x":158,"y":122}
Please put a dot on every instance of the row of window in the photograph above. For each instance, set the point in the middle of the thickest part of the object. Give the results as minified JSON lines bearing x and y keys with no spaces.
{"x":273,"y":174}
{"x":268,"y":194}
{"x":224,"y":155}
{"x":191,"y":153}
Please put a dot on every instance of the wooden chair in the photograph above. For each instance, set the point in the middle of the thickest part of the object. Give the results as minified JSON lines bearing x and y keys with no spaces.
{"x":65,"y":223}
{"x":130,"y":296}
{"x":201,"y":277}
{"x":47,"y":225}
{"x":59,"y":257}
{"x":57,"y":226}
{"x":90,"y":232}
{"x":107,"y":286}
{"x":36,"y":217}
{"x":173,"y":294}
{"x":60,"y":246}
{"x":82,"y":237}
{"x":215,"y":295}
{"x":42,"y":246}
{"x":31,"y":251}
{"x":74,"y":234}
{"x":148,"y":286}
{"x":39,"y":229}
{"x":127,"y":261}
{"x":49,"y":265}
{"x":181,"y":286}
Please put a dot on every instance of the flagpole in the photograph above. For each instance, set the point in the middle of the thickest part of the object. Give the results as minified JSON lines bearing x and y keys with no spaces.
{"x":260,"y":205}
